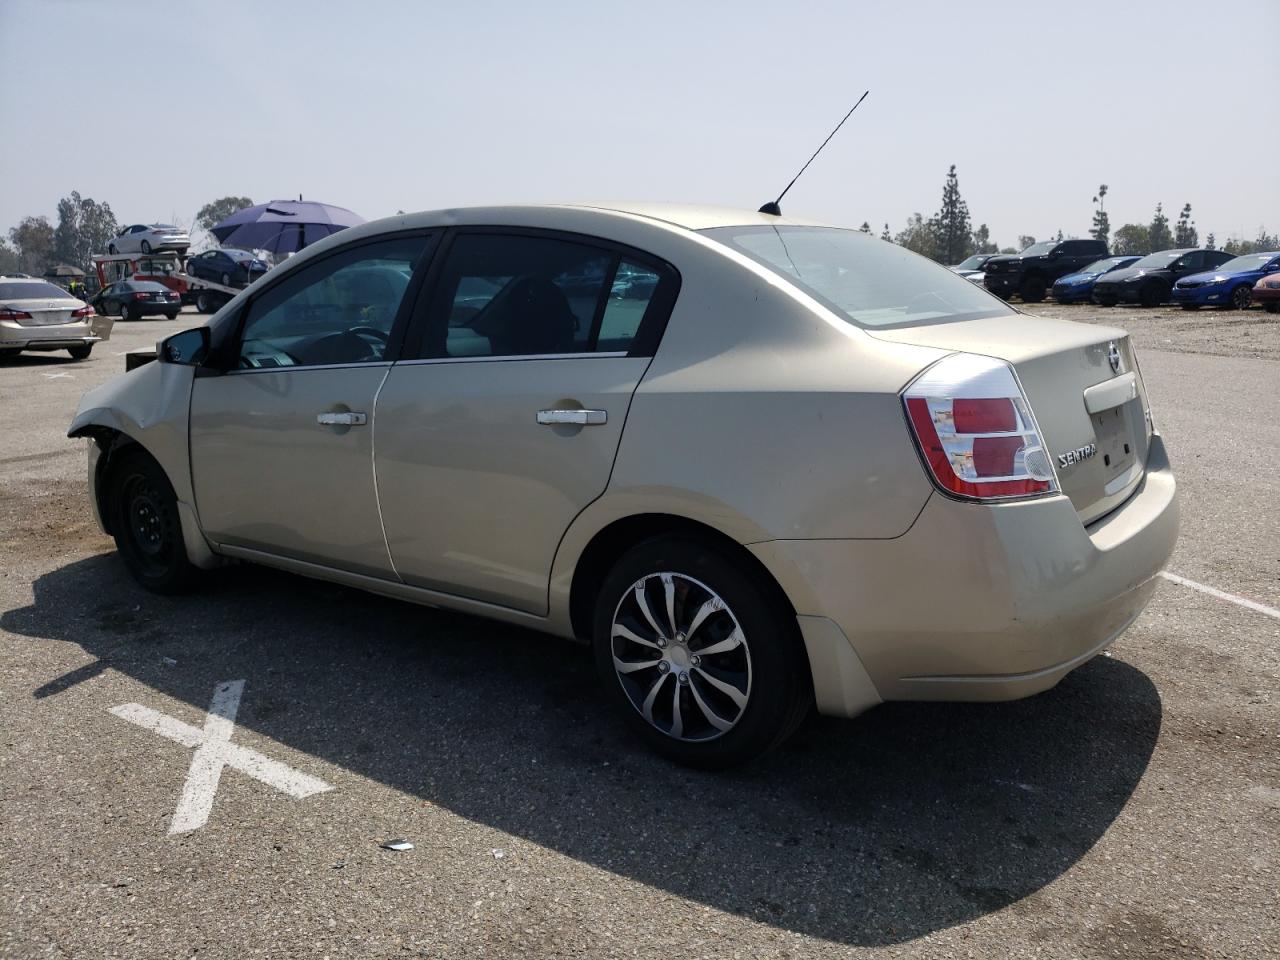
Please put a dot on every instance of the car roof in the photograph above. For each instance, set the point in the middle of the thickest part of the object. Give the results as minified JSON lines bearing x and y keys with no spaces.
{"x":690,"y":216}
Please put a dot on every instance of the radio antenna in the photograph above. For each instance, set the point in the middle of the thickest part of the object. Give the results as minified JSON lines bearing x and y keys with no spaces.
{"x":772,"y":207}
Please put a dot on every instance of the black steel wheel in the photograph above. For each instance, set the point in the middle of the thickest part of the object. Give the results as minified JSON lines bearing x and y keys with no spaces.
{"x":142,"y":511}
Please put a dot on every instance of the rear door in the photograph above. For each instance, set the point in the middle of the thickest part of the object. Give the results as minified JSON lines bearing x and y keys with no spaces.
{"x":282,"y":444}
{"x":506,"y":422}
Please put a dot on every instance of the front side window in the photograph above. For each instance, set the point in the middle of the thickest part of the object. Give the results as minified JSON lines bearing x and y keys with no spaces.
{"x":518,"y":295}
{"x":864,"y":280}
{"x":339,"y":310}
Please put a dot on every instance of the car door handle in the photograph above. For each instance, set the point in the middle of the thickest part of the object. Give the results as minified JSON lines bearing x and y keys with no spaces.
{"x":584,"y":418}
{"x":341,"y":419}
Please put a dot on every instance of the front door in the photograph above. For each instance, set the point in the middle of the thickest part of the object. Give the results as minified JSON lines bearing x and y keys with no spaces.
{"x":507,"y":424}
{"x":282,"y":445}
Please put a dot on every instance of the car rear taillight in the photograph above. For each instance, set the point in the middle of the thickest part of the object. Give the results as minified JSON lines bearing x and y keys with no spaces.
{"x":7,"y":314}
{"x":976,"y":431}
{"x":141,"y":296}
{"x":82,"y":313}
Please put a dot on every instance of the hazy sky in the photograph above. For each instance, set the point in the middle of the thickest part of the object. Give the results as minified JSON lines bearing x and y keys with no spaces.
{"x":160,"y":107}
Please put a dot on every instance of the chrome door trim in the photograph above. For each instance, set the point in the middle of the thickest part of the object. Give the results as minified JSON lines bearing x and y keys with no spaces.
{"x":525,"y":356}
{"x":309,"y":366}
{"x":349,"y":418}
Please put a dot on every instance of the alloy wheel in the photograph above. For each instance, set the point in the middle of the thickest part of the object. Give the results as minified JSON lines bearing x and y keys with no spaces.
{"x":681,"y":657}
{"x":1240,"y":298}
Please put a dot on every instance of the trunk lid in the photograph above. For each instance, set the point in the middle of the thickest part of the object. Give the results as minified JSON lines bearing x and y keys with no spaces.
{"x":1093,"y":416}
{"x":44,"y":312}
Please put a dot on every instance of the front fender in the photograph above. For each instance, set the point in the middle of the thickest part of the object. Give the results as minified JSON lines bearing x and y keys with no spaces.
{"x":149,"y":405}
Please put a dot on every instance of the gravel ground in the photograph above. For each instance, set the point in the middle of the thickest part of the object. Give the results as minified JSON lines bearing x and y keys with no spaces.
{"x":1133,"y":811}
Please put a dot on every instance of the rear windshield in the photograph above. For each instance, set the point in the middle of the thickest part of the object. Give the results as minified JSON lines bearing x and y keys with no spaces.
{"x":32,"y":290}
{"x":867,"y":281}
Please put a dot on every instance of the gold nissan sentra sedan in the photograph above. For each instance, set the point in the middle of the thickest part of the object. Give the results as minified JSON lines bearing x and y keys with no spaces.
{"x":759,"y":464}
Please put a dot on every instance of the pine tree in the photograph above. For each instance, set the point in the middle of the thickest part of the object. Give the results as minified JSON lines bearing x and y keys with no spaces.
{"x":886,"y":235}
{"x":865,"y":228}
{"x":951,"y":227}
{"x":982,"y":240}
{"x":1210,"y":244}
{"x":1158,"y":235}
{"x":1101,"y":229}
{"x":1185,"y":233}
{"x":1059,"y":237}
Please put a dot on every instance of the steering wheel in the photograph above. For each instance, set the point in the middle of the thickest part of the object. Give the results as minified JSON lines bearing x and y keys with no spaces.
{"x":380,"y":336}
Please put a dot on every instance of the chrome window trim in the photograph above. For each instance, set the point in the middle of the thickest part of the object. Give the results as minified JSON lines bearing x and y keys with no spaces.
{"x":519,"y":356}
{"x":309,"y":366}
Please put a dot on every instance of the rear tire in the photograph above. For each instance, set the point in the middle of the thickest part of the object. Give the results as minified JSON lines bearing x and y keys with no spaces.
{"x":146,"y":247}
{"x":111,"y":248}
{"x":226,"y":279}
{"x":81,"y":352}
{"x":1149,"y":296}
{"x":7,"y":352}
{"x":143,"y":511}
{"x":1240,"y":297}
{"x":171,"y":314}
{"x":1271,"y":307}
{"x":1032,"y":290}
{"x":127,"y":312}
{"x":705,"y":709}
{"x":202,"y":303}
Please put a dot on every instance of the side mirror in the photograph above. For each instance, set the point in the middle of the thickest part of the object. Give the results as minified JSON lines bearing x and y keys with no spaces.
{"x":188,"y":348}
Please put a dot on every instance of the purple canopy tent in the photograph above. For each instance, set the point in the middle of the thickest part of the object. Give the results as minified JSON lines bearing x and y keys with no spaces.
{"x":283,"y":226}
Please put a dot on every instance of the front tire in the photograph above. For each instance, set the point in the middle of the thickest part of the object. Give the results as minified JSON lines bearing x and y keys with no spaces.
{"x":81,"y":352}
{"x":1031,"y":290}
{"x":1150,"y":296}
{"x":702,"y":658}
{"x":1240,"y":297}
{"x":145,"y":523}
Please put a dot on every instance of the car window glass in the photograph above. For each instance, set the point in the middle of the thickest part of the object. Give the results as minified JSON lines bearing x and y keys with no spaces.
{"x":339,"y":310}
{"x":503,"y":296}
{"x":629,"y":295}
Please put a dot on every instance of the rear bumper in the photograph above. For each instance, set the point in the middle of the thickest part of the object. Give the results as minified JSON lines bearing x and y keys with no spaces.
{"x":981,"y":602}
{"x":56,"y":336}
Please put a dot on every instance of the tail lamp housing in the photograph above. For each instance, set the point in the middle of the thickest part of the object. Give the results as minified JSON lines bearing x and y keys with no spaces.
{"x":976,"y":432}
{"x":83,"y":312}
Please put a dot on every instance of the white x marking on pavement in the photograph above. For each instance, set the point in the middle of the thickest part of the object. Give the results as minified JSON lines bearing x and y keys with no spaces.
{"x":214,"y":750}
{"x":55,"y":376}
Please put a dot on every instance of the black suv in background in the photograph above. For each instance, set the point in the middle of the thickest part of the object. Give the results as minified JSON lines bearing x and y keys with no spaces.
{"x":1031,"y":273}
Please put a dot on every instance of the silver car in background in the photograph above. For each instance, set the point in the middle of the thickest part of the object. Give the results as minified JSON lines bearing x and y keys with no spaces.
{"x":38,"y":315}
{"x":758,"y":464}
{"x":145,"y":238}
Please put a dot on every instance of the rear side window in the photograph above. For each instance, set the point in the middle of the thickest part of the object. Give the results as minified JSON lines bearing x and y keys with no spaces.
{"x":503,"y":295}
{"x":866,"y":281}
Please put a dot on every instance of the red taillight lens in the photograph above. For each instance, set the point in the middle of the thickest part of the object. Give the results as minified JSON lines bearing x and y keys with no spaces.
{"x":8,"y":314}
{"x":141,"y":296}
{"x":83,"y":312}
{"x":976,"y":431}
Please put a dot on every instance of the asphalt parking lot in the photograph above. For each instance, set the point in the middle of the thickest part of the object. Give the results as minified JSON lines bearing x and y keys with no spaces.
{"x":1133,"y":811}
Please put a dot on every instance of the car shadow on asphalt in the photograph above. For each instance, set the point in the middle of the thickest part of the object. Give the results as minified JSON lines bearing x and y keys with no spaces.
{"x":910,"y":819}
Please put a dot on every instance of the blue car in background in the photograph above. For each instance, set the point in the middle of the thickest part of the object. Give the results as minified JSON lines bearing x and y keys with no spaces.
{"x":1078,"y":287}
{"x":1230,"y":285}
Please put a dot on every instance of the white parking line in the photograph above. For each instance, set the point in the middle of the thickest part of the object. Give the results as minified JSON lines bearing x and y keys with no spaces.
{"x":1248,"y":604}
{"x":214,"y":750}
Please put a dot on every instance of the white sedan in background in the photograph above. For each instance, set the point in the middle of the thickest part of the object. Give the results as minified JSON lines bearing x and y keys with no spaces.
{"x":144,"y":238}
